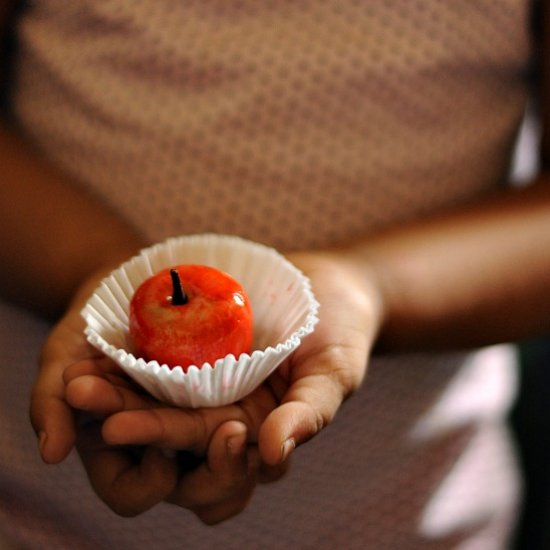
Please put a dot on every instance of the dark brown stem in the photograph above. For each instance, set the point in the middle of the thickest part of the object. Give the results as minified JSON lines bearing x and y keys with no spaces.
{"x":179,"y":298}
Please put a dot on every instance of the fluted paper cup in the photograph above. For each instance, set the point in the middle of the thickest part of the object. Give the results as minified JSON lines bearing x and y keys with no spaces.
{"x":284,"y":308}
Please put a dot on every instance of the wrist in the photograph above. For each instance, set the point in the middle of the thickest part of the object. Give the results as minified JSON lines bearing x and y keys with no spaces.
{"x":358,"y":282}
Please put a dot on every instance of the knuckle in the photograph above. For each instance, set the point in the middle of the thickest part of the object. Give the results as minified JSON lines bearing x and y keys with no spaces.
{"x":322,"y":419}
{"x":161,"y":428}
{"x":344,"y":366}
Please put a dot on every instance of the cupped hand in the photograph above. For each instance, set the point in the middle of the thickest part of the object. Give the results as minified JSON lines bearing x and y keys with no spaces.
{"x":213,"y":460}
{"x":292,"y":406}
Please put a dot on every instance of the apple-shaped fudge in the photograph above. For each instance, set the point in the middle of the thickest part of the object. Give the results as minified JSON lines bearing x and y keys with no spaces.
{"x":190,"y":315}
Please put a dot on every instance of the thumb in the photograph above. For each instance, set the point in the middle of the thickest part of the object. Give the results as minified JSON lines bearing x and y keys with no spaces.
{"x":50,"y":415}
{"x":324,"y":372}
{"x":309,"y":405}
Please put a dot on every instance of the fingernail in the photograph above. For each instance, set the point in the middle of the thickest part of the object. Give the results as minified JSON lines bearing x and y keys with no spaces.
{"x":42,"y":437}
{"x":288,"y":446}
{"x":236,"y":444}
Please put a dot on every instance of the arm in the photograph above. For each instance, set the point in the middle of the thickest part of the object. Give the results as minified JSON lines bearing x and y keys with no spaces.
{"x":476,"y":276}
{"x":468,"y":278}
{"x":54,"y":234}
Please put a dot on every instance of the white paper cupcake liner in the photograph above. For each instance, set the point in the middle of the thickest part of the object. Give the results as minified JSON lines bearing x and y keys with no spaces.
{"x":284,"y":308}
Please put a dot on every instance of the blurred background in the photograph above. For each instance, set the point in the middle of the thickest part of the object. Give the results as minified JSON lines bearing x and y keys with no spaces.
{"x":530,"y":418}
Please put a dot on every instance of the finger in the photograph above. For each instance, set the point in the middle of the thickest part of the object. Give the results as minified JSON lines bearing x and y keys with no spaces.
{"x":189,"y":429}
{"x":128,"y":486}
{"x":311,"y":401}
{"x":99,"y":365}
{"x":216,"y":513}
{"x":220,"y":487}
{"x":51,"y":417}
{"x":98,"y":396}
{"x":223,"y":472}
{"x":329,"y":365}
{"x":173,"y":428}
{"x":52,"y":420}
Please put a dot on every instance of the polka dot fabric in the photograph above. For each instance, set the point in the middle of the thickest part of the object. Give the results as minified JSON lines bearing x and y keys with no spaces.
{"x":294,"y":123}
{"x":297,"y":124}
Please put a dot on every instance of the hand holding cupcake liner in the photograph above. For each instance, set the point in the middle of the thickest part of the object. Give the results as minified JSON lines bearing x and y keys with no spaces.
{"x":284,"y":308}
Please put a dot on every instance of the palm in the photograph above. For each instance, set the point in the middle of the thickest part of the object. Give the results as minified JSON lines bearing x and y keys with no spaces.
{"x":290,"y":407}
